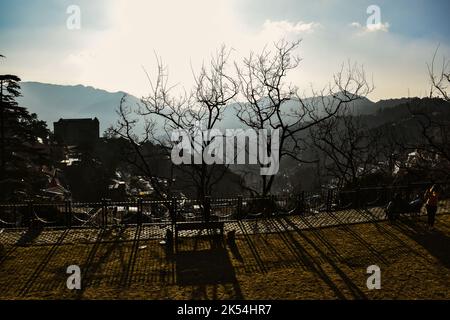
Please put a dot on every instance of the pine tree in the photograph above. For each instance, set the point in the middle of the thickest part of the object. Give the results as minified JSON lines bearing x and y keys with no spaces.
{"x":20,"y":160}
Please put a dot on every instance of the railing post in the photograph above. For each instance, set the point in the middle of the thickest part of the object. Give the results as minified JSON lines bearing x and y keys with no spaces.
{"x":408,"y":192}
{"x":273,"y":205}
{"x":68,"y":205}
{"x":29,"y":218}
{"x":301,"y":202}
{"x":104,"y":212}
{"x":139,"y":211}
{"x":329,"y":199}
{"x":207,"y":208}
{"x":173,"y":210}
{"x":239,"y":207}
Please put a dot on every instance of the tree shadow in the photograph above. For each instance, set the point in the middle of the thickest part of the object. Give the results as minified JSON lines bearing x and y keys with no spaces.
{"x":127,"y":275}
{"x":42,"y":266}
{"x":358,"y":237}
{"x":96,"y":258}
{"x":435,"y":242}
{"x":312,"y":261}
{"x":314,"y":264}
{"x":252,"y":247}
{"x":31,"y":234}
{"x":231,"y":242}
{"x":206,"y":267}
{"x":392,"y":236}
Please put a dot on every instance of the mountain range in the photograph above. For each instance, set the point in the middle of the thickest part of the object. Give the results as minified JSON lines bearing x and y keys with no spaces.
{"x":52,"y":102}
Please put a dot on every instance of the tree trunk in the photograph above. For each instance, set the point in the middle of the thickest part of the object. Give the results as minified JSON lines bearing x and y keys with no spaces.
{"x":2,"y":134}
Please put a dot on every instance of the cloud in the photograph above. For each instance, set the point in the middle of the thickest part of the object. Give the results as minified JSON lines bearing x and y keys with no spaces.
{"x":185,"y":34}
{"x":378,"y":27}
{"x":180,"y":37}
{"x":375,"y":27}
{"x":356,"y":25}
{"x":286,"y":27}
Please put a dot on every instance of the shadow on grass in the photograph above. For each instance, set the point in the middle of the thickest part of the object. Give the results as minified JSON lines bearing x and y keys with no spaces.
{"x":435,"y":242}
{"x":206,"y":268}
{"x":312,"y":260}
{"x":211,"y":266}
{"x":354,"y":290}
{"x":30,"y":235}
{"x":34,"y":278}
{"x":96,"y":259}
{"x":387,"y":231}
{"x":231,"y":243}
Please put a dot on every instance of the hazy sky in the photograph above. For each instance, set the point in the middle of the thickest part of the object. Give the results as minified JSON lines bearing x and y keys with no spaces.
{"x":118,"y":38}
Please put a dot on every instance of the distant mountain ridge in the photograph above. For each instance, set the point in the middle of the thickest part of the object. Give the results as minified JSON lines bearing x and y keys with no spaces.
{"x":52,"y":102}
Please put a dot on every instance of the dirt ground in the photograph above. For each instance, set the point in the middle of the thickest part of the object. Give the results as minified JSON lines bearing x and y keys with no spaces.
{"x":324,"y":263}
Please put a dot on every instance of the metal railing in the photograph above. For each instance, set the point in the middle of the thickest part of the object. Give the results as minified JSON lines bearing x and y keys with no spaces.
{"x":111,"y":213}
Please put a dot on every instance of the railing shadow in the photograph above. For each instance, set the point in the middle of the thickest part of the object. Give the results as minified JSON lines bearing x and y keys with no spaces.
{"x":435,"y":242}
{"x":34,"y":278}
{"x":354,"y":290}
{"x":31,"y":234}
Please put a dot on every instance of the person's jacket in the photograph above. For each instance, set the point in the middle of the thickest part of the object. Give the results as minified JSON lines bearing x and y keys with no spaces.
{"x":432,"y":198}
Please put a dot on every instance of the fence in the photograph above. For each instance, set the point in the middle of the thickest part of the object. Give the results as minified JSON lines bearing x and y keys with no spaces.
{"x":109,"y":213}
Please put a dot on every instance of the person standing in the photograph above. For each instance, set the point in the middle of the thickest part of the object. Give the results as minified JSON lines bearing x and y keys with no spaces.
{"x":431,"y":198}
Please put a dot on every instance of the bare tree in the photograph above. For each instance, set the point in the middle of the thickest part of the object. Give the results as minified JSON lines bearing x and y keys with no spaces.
{"x":136,"y":151}
{"x":271,"y":102}
{"x":431,"y":116}
{"x":349,"y":150}
{"x":439,"y":77}
{"x":191,"y":112}
{"x":434,"y":130}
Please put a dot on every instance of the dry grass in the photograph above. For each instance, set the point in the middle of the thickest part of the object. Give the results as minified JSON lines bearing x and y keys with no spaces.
{"x":326,"y":263}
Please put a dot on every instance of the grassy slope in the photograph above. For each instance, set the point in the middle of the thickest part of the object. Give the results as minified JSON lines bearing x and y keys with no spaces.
{"x":326,"y":263}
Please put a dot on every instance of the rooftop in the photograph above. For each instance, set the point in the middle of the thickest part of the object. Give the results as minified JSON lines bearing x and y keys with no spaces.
{"x":77,"y":120}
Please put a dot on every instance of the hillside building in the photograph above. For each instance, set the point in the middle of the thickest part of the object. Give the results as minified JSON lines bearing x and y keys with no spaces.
{"x":78,"y":132}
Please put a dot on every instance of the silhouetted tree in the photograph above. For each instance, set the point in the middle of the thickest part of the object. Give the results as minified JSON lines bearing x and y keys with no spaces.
{"x":440,"y":78}
{"x":349,"y":150}
{"x":20,"y":160}
{"x":431,"y":148}
{"x":263,"y":82}
{"x":191,"y":112}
